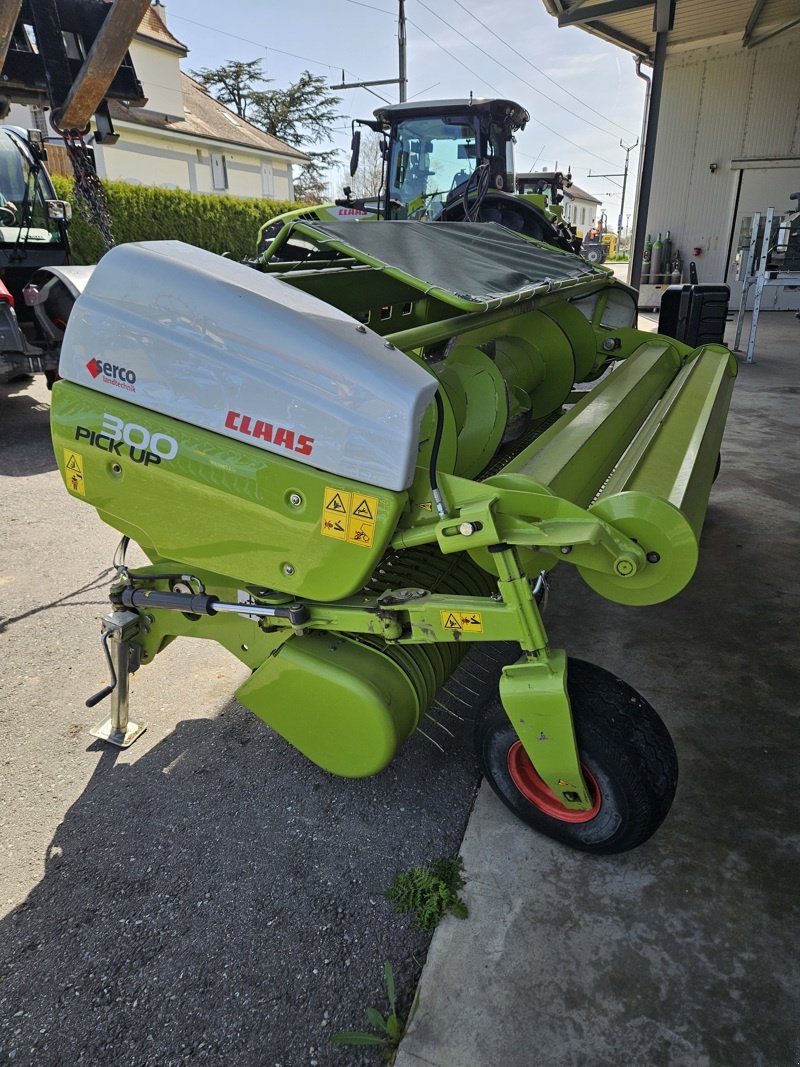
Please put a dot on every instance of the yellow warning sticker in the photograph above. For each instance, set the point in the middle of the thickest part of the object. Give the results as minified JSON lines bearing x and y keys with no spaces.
{"x":360,"y":532}
{"x":426,"y":505}
{"x":365,"y":508}
{"x":465,"y":621}
{"x":335,"y":513}
{"x":349,"y":517}
{"x":337,"y":501}
{"x":73,"y":472}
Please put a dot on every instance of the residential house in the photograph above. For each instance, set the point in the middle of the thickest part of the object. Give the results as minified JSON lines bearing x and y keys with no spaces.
{"x":579,"y":207}
{"x":183,"y":138}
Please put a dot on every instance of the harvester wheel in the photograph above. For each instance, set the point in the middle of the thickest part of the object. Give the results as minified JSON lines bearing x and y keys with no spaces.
{"x":627,"y":756}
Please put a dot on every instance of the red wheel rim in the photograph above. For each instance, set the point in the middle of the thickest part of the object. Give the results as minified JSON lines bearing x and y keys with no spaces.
{"x":535,"y":789}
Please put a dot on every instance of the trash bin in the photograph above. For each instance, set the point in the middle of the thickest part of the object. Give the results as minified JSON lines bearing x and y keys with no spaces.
{"x":695,"y":314}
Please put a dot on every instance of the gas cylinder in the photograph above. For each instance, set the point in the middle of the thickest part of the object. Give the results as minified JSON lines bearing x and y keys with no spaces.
{"x":675,"y":276}
{"x":656,"y":274}
{"x":666,"y":258}
{"x":645,"y":275}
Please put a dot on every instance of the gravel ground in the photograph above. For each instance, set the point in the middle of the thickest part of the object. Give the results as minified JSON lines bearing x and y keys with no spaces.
{"x":208,"y":895}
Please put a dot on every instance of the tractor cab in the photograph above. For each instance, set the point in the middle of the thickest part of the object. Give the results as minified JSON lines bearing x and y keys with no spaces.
{"x":453,"y":161}
{"x":32,"y":219}
{"x":441,"y":161}
{"x":440,"y":151}
{"x":33,"y":238}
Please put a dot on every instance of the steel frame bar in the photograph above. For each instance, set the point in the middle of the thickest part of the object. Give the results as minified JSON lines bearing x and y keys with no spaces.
{"x":9,"y":13}
{"x":105,"y":56}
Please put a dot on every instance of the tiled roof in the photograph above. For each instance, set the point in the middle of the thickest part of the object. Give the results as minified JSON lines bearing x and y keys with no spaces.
{"x":203,"y":116}
{"x":577,"y":193}
{"x":154,"y":28}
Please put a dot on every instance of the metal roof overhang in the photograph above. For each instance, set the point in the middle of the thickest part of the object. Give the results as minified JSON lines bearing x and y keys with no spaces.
{"x":634,"y":24}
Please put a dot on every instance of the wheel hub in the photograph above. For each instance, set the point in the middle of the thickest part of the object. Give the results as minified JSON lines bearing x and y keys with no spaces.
{"x":534,"y":789}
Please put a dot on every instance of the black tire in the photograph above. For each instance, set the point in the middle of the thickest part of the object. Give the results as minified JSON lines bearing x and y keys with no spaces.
{"x":625,"y":748}
{"x":514,"y":213}
{"x":593,"y":255}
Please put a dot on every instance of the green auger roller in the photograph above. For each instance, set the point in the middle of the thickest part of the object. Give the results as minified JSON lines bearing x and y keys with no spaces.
{"x":349,"y":469}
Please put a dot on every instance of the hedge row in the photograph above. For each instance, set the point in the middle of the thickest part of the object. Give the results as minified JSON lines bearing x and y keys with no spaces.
{"x":223,"y":224}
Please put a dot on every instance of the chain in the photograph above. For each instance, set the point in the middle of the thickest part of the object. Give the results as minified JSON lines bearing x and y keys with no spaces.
{"x":90,"y":196}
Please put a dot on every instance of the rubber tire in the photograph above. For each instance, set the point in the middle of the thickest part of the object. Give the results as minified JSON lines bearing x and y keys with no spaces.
{"x":593,"y":255}
{"x":623,"y":744}
{"x":513,"y":213}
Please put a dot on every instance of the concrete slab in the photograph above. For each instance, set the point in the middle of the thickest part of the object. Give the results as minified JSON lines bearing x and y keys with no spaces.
{"x":683,"y":952}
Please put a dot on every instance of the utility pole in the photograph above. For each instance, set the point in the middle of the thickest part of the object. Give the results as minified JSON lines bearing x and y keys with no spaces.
{"x":624,"y":176}
{"x":624,"y":183}
{"x":402,"y":79}
{"x":402,"y":41}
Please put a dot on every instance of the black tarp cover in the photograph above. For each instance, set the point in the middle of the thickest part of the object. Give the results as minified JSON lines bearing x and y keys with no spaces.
{"x":477,"y":263}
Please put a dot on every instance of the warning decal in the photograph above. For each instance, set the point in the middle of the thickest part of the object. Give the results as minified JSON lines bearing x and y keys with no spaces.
{"x":463,"y":621}
{"x":335,"y":513}
{"x":73,"y":472}
{"x":349,"y":517}
{"x":363,"y":510}
{"x":337,"y":501}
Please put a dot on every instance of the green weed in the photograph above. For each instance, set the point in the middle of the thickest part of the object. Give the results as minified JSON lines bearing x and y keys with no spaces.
{"x":390,"y":1029}
{"x":428,"y":892}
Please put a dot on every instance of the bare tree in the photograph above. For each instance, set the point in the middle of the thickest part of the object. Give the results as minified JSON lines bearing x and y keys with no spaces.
{"x":366,"y":182}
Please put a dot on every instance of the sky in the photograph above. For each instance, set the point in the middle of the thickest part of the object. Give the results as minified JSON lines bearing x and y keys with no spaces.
{"x":583,"y":94}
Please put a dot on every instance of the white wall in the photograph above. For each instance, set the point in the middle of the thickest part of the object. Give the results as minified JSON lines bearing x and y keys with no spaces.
{"x":581,"y":213}
{"x":149,"y":159}
{"x":159,"y":72}
{"x":721,"y":105}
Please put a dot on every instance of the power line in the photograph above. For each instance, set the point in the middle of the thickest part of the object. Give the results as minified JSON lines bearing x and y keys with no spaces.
{"x":582,"y":148}
{"x":460,"y":62}
{"x":539,"y":70}
{"x":556,"y":133}
{"x":337,"y":67}
{"x":544,"y":74}
{"x":267,"y":47}
{"x":515,"y":75}
{"x":360,"y":3}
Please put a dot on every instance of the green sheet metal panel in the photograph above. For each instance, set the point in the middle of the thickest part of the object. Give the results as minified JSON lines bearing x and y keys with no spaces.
{"x":222,"y":505}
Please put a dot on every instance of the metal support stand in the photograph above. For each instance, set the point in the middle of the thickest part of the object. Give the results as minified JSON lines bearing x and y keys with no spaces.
{"x":760,"y":275}
{"x":746,"y":278}
{"x":123,"y":658}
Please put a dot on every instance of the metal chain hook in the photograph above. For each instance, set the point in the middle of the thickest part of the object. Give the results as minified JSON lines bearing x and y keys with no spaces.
{"x":90,"y":197}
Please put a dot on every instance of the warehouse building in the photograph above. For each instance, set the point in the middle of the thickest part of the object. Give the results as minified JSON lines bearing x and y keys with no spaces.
{"x":722,"y":121}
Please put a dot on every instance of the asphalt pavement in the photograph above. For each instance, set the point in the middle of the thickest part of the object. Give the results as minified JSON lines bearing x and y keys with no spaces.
{"x":206,"y":896}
